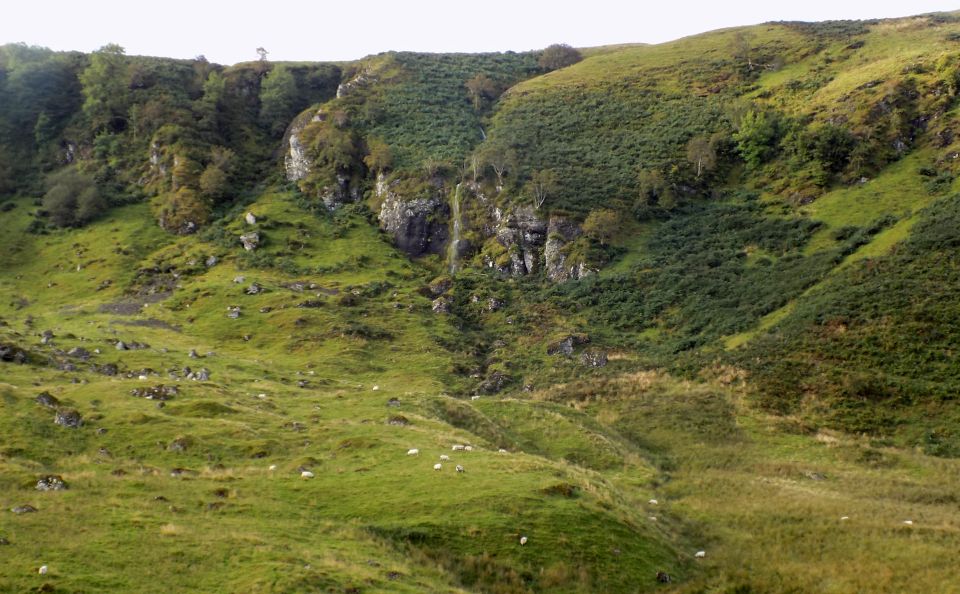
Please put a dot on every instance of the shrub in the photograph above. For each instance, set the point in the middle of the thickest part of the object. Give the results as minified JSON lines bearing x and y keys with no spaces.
{"x":558,"y":55}
{"x":72,"y":198}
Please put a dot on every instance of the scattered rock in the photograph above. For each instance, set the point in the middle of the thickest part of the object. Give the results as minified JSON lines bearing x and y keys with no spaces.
{"x":233,"y":312}
{"x":4,"y":541}
{"x":108,"y":369}
{"x":565,"y":345}
{"x":250,"y":218}
{"x":68,"y":417}
{"x":494,"y":383}
{"x":593,"y":358}
{"x":23,"y":509}
{"x":52,"y":482}
{"x":121,"y":346}
{"x":158,"y":392}
{"x":663,"y":577}
{"x":393,"y":402}
{"x":211,"y":261}
{"x":203,"y":375}
{"x":239,"y":280}
{"x":254,"y":289}
{"x":816,"y":476}
{"x":12,"y":354}
{"x":442,"y":305}
{"x":311,"y":304}
{"x":266,"y":309}
{"x":193,"y":354}
{"x":79,"y":353}
{"x":250,"y":241}
{"x":47,"y":399}
{"x":494,"y":304}
{"x":46,"y":337}
{"x":398,"y":420}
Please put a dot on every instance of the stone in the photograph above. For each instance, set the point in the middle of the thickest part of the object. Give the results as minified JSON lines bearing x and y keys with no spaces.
{"x":250,"y":218}
{"x":441,"y":305}
{"x":203,"y":375}
{"x":663,"y":577}
{"x":46,"y":337}
{"x":4,"y":541}
{"x":254,"y":289}
{"x":250,"y":241}
{"x":12,"y":354}
{"x":211,"y":261}
{"x":24,"y":509}
{"x":52,"y":482}
{"x":494,"y":383}
{"x":68,"y":417}
{"x":121,"y":346}
{"x":593,"y":358}
{"x":158,"y":392}
{"x":239,"y":280}
{"x":193,"y":354}
{"x":494,"y":304}
{"x":79,"y":353}
{"x":47,"y":399}
{"x":233,"y":312}
{"x":398,"y":420}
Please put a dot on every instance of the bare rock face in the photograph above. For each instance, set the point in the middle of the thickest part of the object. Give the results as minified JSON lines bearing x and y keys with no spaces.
{"x":522,"y":233}
{"x":296,"y":163}
{"x":418,"y":225}
{"x":560,"y":232}
{"x":250,"y":218}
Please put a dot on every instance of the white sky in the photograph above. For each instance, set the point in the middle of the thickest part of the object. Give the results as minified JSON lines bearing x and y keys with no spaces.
{"x":229,"y":32}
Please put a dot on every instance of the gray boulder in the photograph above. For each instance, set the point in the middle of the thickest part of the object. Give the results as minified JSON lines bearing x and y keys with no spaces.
{"x":68,"y":417}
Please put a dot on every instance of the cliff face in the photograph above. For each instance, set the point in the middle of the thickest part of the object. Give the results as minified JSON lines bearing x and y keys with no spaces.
{"x":418,"y":226}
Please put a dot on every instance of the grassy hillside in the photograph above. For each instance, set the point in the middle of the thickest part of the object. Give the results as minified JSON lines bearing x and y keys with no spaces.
{"x":761,"y":368}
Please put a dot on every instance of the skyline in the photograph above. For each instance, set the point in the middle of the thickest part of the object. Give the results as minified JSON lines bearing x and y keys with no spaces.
{"x":321,"y":31}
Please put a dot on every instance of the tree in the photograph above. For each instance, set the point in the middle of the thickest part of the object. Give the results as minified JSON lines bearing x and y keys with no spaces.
{"x":105,"y":89}
{"x":482,"y":88}
{"x":742,"y":48}
{"x":832,"y":146}
{"x":500,"y":158}
{"x":603,"y":225}
{"x":558,"y":55}
{"x":757,"y":137}
{"x":542,"y":184}
{"x":654,"y":190}
{"x":278,"y":99}
{"x":379,"y":156}
{"x":702,"y":152}
{"x":215,"y":180}
{"x":72,"y":198}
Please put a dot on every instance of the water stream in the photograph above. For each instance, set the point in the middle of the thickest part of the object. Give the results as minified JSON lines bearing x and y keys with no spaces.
{"x":452,"y":248}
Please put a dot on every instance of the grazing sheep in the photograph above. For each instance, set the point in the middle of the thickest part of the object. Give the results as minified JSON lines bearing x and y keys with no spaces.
{"x":908,"y":522}
{"x":844,"y":518}
{"x":375,"y":388}
{"x":652,"y":502}
{"x":467,"y":448}
{"x":501,"y":451}
{"x":700,"y":554}
{"x":444,"y":457}
{"x":458,"y":447}
{"x":652,"y":518}
{"x":43,"y":570}
{"x":438,"y":466}
{"x":474,"y":398}
{"x":459,"y":468}
{"x":523,"y":540}
{"x":306,"y":474}
{"x":413,"y":452}
{"x":273,"y":467}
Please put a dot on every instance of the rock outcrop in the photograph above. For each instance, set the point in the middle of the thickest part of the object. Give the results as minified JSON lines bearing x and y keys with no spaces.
{"x":560,"y":232}
{"x":418,"y":225}
{"x":296,"y":163}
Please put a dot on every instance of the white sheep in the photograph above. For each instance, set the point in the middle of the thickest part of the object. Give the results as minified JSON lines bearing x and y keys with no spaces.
{"x":474,"y":398}
{"x":306,"y":474}
{"x":501,"y":451}
{"x":43,"y":570}
{"x":844,"y":518}
{"x":459,"y":468}
{"x":523,"y":540}
{"x":375,"y":388}
{"x":700,"y":554}
{"x":908,"y":522}
{"x":444,"y":457}
{"x":413,"y":452}
{"x":438,"y":466}
{"x":273,"y":467}
{"x":467,"y":448}
{"x":457,"y":447}
{"x":652,"y":502}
